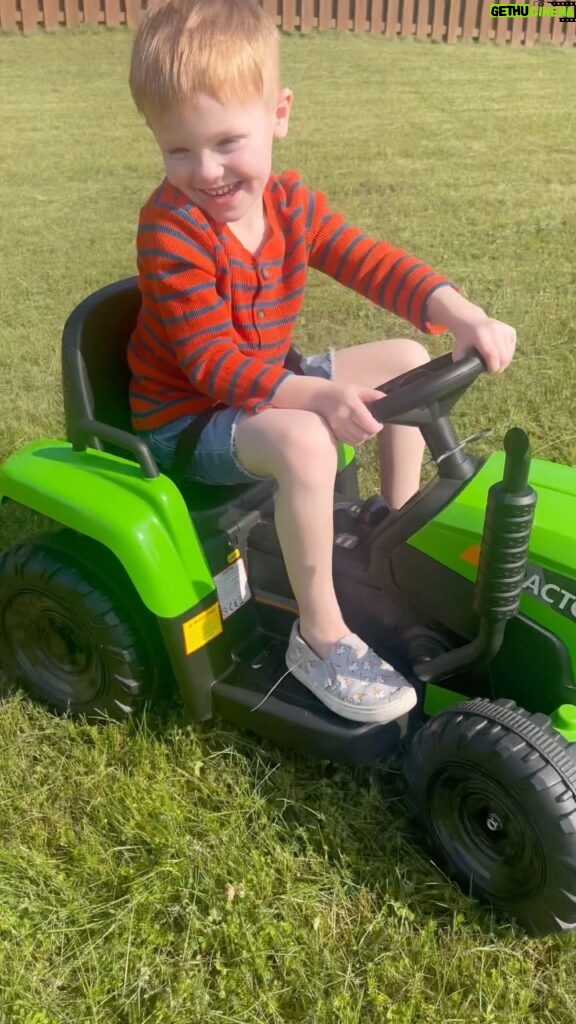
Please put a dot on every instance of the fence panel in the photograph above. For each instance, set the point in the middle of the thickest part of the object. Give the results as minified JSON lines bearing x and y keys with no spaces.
{"x":440,"y":20}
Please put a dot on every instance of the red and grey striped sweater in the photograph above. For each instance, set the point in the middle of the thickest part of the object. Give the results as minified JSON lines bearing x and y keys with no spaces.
{"x":216,"y":322}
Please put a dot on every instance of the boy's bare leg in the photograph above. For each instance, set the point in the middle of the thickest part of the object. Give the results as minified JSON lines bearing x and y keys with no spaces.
{"x":400,"y":449}
{"x":297,"y":449}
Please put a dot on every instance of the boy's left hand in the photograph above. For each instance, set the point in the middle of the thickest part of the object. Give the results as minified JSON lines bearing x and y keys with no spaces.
{"x":492,"y":339}
{"x":473,"y":329}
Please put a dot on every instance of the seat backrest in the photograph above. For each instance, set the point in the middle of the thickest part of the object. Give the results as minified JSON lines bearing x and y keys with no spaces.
{"x":96,"y":380}
{"x":95,"y":371}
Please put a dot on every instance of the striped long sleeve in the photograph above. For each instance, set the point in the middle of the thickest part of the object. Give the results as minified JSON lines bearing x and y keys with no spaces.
{"x":216,"y":321}
{"x":388,"y":276}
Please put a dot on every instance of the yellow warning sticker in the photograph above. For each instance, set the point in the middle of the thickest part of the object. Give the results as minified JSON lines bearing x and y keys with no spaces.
{"x":233,"y":556}
{"x":200,"y":630}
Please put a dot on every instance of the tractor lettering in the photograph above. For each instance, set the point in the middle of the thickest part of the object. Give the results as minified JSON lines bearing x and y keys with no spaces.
{"x":544,"y":592}
{"x":533,"y":584}
{"x":567,"y":597}
{"x":551,"y":589}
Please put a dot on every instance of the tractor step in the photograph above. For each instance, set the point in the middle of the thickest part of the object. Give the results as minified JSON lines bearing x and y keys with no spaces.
{"x":290,"y":715}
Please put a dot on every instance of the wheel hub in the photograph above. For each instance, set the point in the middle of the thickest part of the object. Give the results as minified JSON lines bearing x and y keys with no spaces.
{"x":485,"y":833}
{"x":53,"y":647}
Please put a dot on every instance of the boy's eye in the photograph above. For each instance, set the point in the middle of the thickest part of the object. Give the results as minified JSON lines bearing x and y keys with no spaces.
{"x":230,"y":141}
{"x":178,"y":152}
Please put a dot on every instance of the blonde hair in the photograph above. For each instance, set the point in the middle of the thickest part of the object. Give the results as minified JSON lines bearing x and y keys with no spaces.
{"x":227,"y":49}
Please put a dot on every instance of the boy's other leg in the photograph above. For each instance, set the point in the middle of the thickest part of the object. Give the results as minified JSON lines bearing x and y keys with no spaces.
{"x":400,"y":449}
{"x":297,"y":449}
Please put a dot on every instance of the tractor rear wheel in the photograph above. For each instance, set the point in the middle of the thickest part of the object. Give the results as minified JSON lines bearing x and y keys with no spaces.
{"x":73,"y":631}
{"x":495,"y":788}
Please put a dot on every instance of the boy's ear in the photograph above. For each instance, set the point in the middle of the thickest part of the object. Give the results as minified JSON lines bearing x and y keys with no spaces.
{"x":282,"y":113}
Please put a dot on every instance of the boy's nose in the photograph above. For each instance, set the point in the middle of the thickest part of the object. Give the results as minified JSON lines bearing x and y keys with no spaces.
{"x":208,"y":171}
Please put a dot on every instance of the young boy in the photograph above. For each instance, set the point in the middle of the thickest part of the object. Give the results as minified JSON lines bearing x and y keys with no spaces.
{"x":223,"y":247}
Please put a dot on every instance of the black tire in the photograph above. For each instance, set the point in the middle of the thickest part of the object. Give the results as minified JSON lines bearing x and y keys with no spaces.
{"x":495,"y":789}
{"x":73,"y":631}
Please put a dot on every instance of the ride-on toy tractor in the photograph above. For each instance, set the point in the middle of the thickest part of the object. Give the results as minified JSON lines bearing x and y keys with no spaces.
{"x":470,"y":589}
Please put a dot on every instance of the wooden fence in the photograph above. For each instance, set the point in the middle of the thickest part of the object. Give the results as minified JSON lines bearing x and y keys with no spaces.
{"x":441,"y":20}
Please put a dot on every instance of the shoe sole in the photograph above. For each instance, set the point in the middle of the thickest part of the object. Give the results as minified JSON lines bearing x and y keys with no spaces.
{"x":379,"y":715}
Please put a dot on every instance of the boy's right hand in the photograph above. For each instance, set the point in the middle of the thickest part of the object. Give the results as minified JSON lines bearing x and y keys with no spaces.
{"x":343,"y":406}
{"x":345,"y":409}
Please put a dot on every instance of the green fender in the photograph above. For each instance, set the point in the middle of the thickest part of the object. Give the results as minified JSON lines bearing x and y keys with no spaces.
{"x":144,"y":522}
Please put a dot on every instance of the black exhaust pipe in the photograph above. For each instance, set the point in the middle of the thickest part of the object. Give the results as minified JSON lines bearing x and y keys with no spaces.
{"x":502,"y":567}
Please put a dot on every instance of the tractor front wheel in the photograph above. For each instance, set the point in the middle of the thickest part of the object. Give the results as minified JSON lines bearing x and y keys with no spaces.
{"x":495,"y":789}
{"x":73,"y":631}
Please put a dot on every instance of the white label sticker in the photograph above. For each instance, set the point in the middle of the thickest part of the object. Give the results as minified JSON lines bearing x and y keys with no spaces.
{"x":232,"y":587}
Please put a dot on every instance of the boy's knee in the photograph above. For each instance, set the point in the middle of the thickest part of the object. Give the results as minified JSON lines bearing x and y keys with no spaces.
{"x":414,"y":354}
{"x":308,"y":445}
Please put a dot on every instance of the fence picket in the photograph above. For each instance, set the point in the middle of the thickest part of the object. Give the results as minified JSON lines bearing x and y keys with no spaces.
{"x":325,"y":14}
{"x":133,"y":12}
{"x":112,"y":15}
{"x":307,"y":15}
{"x":376,"y":18}
{"x":71,"y":14}
{"x":407,"y":23}
{"x":518,"y":30}
{"x":360,"y":16}
{"x":391,"y":19}
{"x":453,"y":21}
{"x":469,"y":30}
{"x":569,"y":37}
{"x":29,"y":16}
{"x":91,"y":12}
{"x":8,"y":19}
{"x":51,"y":10}
{"x":343,"y":15}
{"x":288,"y":9}
{"x":485,"y":32}
{"x":422,"y":20}
{"x":438,"y":21}
{"x":558,"y":31}
{"x":544,"y":28}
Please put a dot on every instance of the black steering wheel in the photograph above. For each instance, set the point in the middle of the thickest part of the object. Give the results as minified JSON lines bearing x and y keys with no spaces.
{"x":427,"y":393}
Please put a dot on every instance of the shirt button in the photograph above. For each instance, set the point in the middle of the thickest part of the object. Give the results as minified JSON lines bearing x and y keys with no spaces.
{"x":265,"y":273}
{"x":260,"y":314}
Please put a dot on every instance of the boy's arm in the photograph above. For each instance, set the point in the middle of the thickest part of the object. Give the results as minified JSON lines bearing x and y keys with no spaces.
{"x":381,"y":272}
{"x":183,"y":313}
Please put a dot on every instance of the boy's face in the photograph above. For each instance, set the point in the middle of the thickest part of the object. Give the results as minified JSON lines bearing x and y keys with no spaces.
{"x":220,"y":155}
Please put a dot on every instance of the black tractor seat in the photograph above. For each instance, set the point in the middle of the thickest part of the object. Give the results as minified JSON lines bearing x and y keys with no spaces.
{"x":96,"y":380}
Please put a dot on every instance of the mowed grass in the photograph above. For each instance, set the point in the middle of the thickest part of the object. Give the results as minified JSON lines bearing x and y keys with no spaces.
{"x":158,"y":872}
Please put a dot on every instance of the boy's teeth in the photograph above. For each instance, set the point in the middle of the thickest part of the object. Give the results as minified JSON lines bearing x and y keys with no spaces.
{"x":222,"y":191}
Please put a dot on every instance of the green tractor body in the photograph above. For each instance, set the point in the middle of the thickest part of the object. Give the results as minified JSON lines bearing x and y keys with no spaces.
{"x":469,"y":589}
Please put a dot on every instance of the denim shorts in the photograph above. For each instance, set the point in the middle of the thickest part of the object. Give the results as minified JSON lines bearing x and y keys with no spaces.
{"x":215,"y":459}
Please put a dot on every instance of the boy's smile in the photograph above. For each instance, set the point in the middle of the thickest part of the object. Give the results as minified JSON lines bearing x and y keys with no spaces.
{"x":220,"y":155}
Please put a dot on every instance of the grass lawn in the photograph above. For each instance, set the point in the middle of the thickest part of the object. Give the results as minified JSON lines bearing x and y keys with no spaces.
{"x":161,"y":873}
